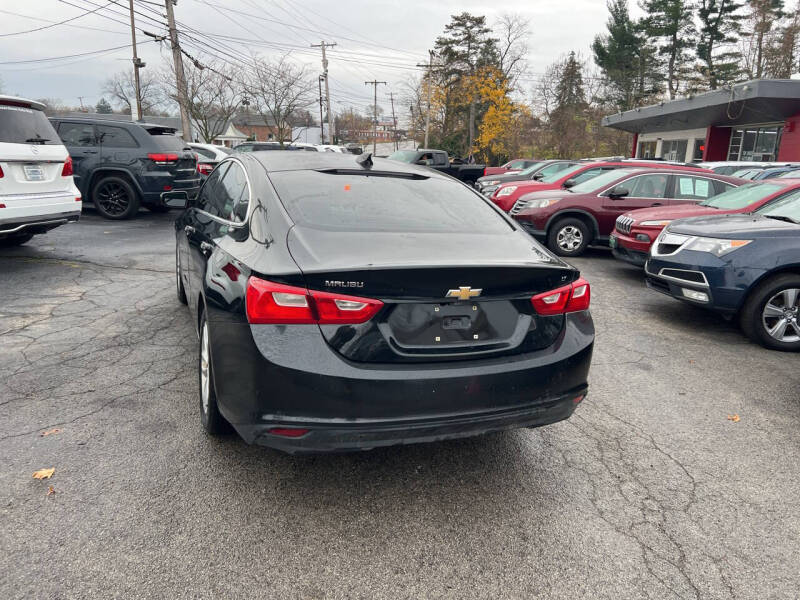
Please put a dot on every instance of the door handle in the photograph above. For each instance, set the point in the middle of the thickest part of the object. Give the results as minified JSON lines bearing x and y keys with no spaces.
{"x":657,"y":204}
{"x":90,"y":151}
{"x":206,"y":247}
{"x":189,"y":229}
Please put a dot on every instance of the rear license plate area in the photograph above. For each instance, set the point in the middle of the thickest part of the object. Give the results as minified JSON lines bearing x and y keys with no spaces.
{"x":33,"y":172}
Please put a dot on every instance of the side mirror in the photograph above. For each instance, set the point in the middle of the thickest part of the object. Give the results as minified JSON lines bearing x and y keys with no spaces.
{"x":569,"y":183}
{"x":538,"y":177}
{"x":619,"y":192}
{"x":176,"y":200}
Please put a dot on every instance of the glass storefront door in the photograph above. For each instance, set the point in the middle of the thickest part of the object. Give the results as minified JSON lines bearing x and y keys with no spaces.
{"x":755,"y":143}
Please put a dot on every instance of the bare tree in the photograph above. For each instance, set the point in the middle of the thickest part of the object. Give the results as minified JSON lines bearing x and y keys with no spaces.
{"x":214,"y":96}
{"x":513,"y":31}
{"x":121,"y":88}
{"x":279,"y":90}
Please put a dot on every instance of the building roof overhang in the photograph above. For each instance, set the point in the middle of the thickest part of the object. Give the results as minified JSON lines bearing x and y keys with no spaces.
{"x":758,"y":101}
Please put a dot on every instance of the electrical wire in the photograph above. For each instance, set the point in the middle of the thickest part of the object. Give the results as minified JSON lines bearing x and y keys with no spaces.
{"x":89,"y":12}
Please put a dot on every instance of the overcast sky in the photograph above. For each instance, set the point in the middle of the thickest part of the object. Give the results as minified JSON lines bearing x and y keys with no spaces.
{"x":376,"y":39}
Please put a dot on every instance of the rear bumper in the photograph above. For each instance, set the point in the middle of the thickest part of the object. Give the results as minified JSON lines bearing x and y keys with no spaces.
{"x":154,"y":187}
{"x":331,"y":436}
{"x":35,"y":225}
{"x":269,"y":376}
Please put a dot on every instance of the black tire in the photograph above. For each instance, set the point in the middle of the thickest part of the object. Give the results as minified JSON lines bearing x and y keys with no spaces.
{"x":211,"y":419}
{"x":756,"y":319}
{"x":178,"y":280}
{"x":16,"y":240}
{"x":569,"y":237}
{"x":114,"y":198}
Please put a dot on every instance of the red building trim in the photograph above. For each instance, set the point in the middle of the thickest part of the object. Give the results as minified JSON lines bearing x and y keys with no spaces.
{"x":789,"y":150}
{"x":635,"y":143}
{"x":717,"y":141}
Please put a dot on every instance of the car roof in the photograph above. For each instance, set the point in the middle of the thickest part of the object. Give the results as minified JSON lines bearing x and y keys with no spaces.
{"x":320,"y":161}
{"x":103,"y":121}
{"x":15,"y":99}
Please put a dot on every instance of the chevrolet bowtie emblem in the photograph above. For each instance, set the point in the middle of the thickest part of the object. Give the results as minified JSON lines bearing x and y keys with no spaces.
{"x":463,"y":293}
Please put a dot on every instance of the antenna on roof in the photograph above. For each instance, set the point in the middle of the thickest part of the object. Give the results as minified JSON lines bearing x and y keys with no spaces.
{"x":365,"y":160}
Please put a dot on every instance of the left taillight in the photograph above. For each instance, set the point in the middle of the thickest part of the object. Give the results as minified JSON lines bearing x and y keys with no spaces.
{"x":574,"y":297}
{"x":275,"y":303}
{"x":66,"y":171}
{"x":204,"y":168}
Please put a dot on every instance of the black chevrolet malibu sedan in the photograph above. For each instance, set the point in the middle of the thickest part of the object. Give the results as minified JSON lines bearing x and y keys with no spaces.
{"x":344,"y":304}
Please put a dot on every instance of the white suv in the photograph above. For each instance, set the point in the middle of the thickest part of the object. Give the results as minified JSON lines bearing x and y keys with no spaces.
{"x":37,"y":192}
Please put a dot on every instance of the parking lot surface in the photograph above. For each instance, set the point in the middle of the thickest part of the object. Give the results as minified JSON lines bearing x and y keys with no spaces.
{"x":653,"y":489}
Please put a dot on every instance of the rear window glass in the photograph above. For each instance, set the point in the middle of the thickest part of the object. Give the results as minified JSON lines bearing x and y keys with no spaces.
{"x":19,"y":125}
{"x":344,"y":202}
{"x":169,"y":142}
{"x":743,"y":196}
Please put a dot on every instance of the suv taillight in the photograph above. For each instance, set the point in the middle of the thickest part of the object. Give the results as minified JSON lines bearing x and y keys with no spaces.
{"x":204,"y":168}
{"x":163,"y":159}
{"x":268,"y":302}
{"x":574,"y":297}
{"x":67,"y":170}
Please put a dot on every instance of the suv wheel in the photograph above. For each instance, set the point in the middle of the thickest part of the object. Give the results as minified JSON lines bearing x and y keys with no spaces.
{"x":771,"y":315}
{"x":569,"y":237}
{"x":115,"y":198}
{"x":15,"y":240}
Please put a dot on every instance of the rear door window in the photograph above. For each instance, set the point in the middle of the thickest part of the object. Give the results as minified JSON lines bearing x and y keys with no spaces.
{"x":358,"y":202}
{"x":77,"y":134}
{"x":693,"y":188}
{"x":115,"y":137}
{"x":20,"y":125}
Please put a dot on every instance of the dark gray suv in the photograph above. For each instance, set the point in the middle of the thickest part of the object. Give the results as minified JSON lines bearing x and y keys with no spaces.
{"x":121,"y":165}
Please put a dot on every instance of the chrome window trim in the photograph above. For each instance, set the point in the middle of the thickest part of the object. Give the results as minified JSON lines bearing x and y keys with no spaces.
{"x":228,"y":222}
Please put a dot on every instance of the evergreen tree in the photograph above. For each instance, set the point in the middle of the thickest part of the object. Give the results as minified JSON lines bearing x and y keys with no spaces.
{"x":568,"y":120}
{"x":671,"y":22}
{"x":103,"y":107}
{"x":763,"y":22}
{"x":720,"y":26}
{"x":626,"y":58}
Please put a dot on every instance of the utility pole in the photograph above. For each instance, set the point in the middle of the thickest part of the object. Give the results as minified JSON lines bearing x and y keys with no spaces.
{"x":323,"y":44}
{"x":137,"y":64}
{"x":180,"y":76}
{"x":431,"y":54}
{"x":374,"y":85}
{"x":321,"y":123}
{"x":394,"y":121}
{"x":80,"y":99}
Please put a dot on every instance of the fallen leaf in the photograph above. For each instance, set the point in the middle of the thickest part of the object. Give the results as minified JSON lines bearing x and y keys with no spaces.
{"x":734,"y":418}
{"x":44,"y":473}
{"x":50,"y":432}
{"x":51,"y":491}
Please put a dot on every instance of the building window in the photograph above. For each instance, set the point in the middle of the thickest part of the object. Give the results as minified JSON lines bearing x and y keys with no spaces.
{"x":646,"y":150}
{"x":699,"y":147}
{"x":674,"y":150}
{"x":755,"y":143}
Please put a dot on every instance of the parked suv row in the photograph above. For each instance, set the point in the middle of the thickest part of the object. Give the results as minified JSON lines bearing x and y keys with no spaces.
{"x":120,"y":166}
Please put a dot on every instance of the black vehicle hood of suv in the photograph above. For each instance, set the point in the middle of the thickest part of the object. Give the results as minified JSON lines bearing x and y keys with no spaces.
{"x":747,"y":226}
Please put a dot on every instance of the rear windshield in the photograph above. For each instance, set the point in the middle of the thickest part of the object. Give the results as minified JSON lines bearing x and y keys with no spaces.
{"x":337,"y":202}
{"x":742,"y":196}
{"x":19,"y":125}
{"x":169,"y":142}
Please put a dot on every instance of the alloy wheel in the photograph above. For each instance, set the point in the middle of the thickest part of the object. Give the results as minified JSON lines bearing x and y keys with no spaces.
{"x":781,"y":316}
{"x":205,"y":379}
{"x":113,"y":198}
{"x":569,"y":238}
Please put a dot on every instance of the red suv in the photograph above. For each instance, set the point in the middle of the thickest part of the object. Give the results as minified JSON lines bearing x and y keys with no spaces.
{"x":635,"y":231}
{"x":518,"y":164}
{"x":570,"y":220}
{"x":507,"y":194}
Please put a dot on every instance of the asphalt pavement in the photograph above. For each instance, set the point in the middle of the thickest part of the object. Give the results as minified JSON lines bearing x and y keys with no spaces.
{"x":676,"y":478}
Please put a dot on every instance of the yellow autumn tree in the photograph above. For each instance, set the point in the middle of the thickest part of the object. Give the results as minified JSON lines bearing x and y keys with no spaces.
{"x":504,"y":120}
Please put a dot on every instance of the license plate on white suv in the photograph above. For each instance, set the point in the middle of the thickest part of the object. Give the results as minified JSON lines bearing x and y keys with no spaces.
{"x":33,"y":172}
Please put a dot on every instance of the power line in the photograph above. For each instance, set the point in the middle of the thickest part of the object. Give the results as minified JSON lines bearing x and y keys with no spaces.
{"x":38,"y":60}
{"x":89,"y":12}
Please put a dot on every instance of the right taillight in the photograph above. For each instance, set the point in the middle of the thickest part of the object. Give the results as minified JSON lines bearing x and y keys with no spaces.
{"x":1,"y":171}
{"x":268,"y":302}
{"x":204,"y":168}
{"x":163,"y":159}
{"x":574,"y":297}
{"x":66,"y":171}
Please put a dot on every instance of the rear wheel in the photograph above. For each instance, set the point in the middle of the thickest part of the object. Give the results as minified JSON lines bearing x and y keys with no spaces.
{"x":115,"y":198}
{"x":569,"y":237}
{"x":771,"y":315}
{"x":212,"y":420}
{"x":16,"y":240}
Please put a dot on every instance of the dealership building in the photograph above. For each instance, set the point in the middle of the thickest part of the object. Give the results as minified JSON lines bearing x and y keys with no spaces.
{"x":753,"y":121}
